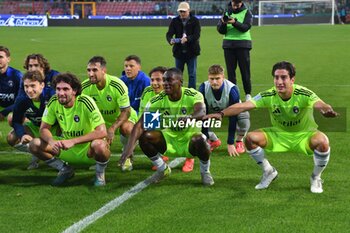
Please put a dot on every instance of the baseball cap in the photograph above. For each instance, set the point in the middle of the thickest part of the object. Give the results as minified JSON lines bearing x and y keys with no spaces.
{"x":183,"y":6}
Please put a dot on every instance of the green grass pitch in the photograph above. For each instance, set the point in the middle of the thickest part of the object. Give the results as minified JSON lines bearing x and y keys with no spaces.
{"x":180,"y":204}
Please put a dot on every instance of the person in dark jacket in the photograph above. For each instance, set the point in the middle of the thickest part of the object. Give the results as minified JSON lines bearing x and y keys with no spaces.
{"x":235,"y":26}
{"x":183,"y":34}
{"x":10,"y":79}
{"x":37,"y":61}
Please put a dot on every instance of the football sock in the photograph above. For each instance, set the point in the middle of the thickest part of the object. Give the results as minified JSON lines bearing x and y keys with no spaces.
{"x":243,"y":125}
{"x":212,"y":136}
{"x":258,"y":155}
{"x":100,"y":169}
{"x":55,"y":163}
{"x":320,"y":161}
{"x":26,"y":148}
{"x":101,"y":166}
{"x":204,"y":166}
{"x":34,"y":159}
{"x":158,"y":162}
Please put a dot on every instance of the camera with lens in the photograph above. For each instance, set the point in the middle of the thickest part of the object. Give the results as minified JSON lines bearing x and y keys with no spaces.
{"x":225,"y":18}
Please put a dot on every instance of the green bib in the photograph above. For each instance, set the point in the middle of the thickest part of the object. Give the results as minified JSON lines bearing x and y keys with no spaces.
{"x":234,"y":34}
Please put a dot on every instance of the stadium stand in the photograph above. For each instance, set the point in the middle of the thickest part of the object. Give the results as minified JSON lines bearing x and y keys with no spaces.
{"x":33,"y":7}
{"x":111,"y":8}
{"x":125,"y":8}
{"x":118,"y":8}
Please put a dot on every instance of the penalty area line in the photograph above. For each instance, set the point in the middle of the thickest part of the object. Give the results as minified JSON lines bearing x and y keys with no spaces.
{"x":85,"y":222}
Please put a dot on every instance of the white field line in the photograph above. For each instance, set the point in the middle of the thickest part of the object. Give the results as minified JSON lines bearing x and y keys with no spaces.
{"x":85,"y":222}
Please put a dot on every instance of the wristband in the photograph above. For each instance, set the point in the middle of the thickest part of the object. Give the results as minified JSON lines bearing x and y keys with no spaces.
{"x":222,"y":114}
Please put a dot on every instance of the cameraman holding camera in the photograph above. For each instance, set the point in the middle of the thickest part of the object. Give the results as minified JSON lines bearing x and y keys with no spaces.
{"x":235,"y":25}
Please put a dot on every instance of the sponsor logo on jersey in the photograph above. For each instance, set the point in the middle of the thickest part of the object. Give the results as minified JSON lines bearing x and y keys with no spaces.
{"x":108,"y":112}
{"x":7,"y":97}
{"x":289,"y":123}
{"x":73,"y":134}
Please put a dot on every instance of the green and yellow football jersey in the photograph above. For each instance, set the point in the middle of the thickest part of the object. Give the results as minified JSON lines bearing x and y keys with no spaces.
{"x":112,"y":98}
{"x":147,"y":94}
{"x":76,"y":121}
{"x":171,"y":111}
{"x":293,"y":115}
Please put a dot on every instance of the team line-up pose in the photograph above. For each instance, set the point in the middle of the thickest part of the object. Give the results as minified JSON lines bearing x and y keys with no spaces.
{"x":63,"y":122}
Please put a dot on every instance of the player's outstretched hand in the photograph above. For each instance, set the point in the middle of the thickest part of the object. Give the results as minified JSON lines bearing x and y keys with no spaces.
{"x":123,"y":158}
{"x":65,"y":144}
{"x":329,"y":113}
{"x":232,"y":151}
{"x":55,"y":147}
{"x":213,"y":115}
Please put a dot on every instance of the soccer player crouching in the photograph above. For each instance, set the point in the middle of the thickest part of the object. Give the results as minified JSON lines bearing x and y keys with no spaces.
{"x":30,"y":106}
{"x":293,"y":126}
{"x":219,"y":93}
{"x":83,"y":130}
{"x":111,"y":97}
{"x":176,"y":104}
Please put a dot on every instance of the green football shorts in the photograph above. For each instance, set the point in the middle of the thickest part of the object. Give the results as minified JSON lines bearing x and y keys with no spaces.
{"x":77,"y":154}
{"x":177,"y":143}
{"x":132,"y":118}
{"x":281,"y":141}
{"x":36,"y":129}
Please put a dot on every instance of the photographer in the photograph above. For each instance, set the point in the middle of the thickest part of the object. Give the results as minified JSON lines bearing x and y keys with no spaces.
{"x":235,"y":25}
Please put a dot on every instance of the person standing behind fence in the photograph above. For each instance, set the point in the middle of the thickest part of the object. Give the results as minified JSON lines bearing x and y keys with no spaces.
{"x":235,"y":26}
{"x":183,"y":34}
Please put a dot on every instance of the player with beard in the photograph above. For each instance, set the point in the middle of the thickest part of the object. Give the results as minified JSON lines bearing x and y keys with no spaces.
{"x":83,"y":132}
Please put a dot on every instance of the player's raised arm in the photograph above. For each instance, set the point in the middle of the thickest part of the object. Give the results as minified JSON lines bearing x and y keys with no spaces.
{"x":236,"y":109}
{"x":325,"y":109}
{"x":232,"y":110}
